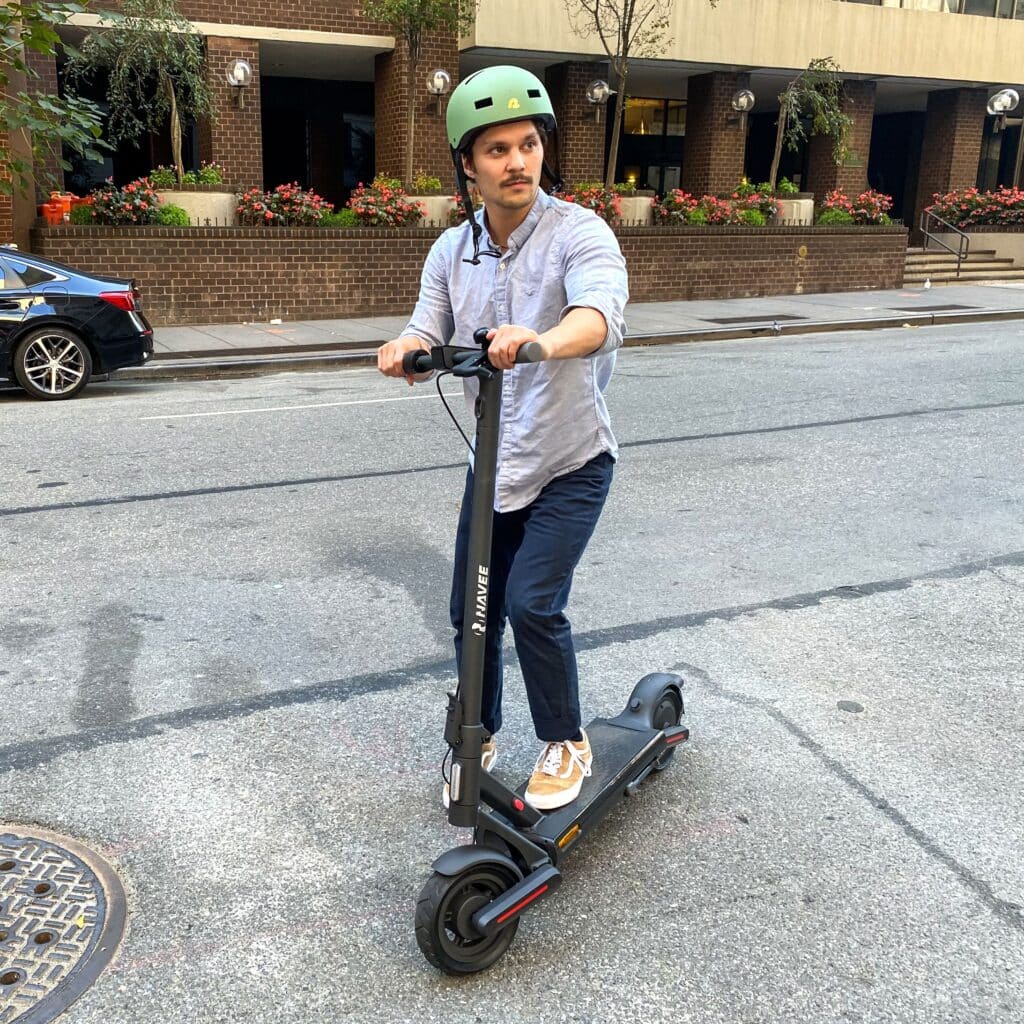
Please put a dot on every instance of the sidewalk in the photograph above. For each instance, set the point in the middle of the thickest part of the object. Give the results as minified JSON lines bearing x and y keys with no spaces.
{"x":245,"y":349}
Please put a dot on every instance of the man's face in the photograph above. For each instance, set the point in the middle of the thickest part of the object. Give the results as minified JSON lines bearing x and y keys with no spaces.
{"x":506,"y":163}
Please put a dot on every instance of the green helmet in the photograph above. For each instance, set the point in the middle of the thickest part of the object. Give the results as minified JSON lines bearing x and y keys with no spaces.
{"x":496,"y":96}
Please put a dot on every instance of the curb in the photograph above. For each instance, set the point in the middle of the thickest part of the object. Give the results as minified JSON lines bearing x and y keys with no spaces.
{"x":344,"y":354}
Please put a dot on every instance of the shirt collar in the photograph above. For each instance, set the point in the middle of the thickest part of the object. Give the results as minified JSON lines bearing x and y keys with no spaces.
{"x":523,"y":232}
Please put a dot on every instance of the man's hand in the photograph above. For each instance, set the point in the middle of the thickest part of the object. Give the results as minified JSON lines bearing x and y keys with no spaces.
{"x":505,"y":342}
{"x":389,"y":357}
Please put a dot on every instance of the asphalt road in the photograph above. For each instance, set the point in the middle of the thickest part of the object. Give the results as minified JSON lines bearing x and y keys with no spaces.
{"x":224,"y":654}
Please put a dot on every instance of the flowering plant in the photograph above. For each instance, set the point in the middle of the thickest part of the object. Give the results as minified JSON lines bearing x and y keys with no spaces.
{"x":457,"y":214}
{"x":869,"y":207}
{"x":755,"y":197}
{"x":964,"y":208}
{"x":676,"y":207}
{"x":384,"y":204}
{"x":605,"y":202}
{"x":287,"y":204}
{"x":136,"y":203}
{"x":722,"y":211}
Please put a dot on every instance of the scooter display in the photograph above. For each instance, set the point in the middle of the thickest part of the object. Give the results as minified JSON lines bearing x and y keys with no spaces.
{"x":469,"y":910}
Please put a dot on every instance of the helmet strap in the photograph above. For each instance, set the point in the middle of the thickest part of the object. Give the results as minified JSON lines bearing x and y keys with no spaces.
{"x":554,"y":176}
{"x":467,"y":205}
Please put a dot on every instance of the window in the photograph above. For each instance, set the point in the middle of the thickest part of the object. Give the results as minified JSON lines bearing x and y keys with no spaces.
{"x":644,"y":117}
{"x":29,"y":275}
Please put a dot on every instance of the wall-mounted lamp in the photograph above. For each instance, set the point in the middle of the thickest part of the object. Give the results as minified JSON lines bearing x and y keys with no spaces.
{"x":239,"y":75}
{"x":438,"y":84}
{"x":742,"y":103}
{"x":1000,"y":104}
{"x":598,"y":94}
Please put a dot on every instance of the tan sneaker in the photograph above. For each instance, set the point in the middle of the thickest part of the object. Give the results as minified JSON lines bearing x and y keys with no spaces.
{"x":559,"y":774}
{"x":489,"y":754}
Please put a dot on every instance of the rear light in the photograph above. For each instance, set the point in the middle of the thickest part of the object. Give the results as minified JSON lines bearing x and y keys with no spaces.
{"x":123,"y":300}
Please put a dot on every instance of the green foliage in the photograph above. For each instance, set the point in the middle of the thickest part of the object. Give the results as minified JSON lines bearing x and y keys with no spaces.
{"x":136,"y":203}
{"x":210,"y":174}
{"x":786,"y":188}
{"x":833,"y":217}
{"x":41,"y":122}
{"x":624,"y":188}
{"x":171,"y":216}
{"x":155,"y":65}
{"x":81,"y":214}
{"x":383,"y":181}
{"x":425,"y":184}
{"x":755,"y":218}
{"x":163,"y":177}
{"x":342,"y":219}
{"x":190,"y":178}
{"x":696,"y":216}
{"x":813,"y":99}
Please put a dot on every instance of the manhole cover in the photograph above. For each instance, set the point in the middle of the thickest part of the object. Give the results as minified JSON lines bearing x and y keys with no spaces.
{"x":62,"y":914}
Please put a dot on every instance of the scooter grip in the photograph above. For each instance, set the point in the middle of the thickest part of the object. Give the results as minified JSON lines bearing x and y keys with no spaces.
{"x":531,"y":352}
{"x":417,"y":361}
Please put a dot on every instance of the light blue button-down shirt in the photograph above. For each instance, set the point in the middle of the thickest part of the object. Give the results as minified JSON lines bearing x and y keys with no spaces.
{"x":553,"y":414}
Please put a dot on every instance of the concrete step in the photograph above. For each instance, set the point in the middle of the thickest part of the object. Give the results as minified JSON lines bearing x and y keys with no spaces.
{"x":973,"y":258}
{"x":944,"y":278}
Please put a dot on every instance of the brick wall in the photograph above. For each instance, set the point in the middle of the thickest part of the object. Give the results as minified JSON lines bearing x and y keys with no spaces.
{"x":430,"y":146}
{"x":954,"y":125}
{"x":580,"y":136}
{"x":823,"y":174}
{"x":52,"y":174}
{"x":218,"y":275}
{"x":234,"y":138}
{"x":715,"y":140}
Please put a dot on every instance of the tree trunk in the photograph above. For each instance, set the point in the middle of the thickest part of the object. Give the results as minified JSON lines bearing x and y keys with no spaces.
{"x":620,"y":113}
{"x":179,"y":168}
{"x":410,"y":99}
{"x":779,"y":134}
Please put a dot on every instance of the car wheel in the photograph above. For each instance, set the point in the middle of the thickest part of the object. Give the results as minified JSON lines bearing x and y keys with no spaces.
{"x":52,"y":363}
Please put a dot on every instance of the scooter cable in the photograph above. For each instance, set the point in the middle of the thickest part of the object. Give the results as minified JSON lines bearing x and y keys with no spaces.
{"x":444,"y":401}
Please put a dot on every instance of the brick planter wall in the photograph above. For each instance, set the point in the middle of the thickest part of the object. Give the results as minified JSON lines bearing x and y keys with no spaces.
{"x":226,"y":275}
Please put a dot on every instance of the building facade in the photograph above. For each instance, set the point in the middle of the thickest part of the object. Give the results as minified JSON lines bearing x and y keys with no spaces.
{"x":325,"y":106}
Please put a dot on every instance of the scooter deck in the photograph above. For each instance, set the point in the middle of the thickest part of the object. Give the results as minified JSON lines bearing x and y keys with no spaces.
{"x":620,"y":754}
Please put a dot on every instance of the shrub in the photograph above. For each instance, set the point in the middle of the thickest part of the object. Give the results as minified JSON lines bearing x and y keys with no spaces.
{"x":721,"y":211}
{"x":675,"y":207}
{"x":340,"y":219}
{"x":786,"y":188}
{"x":966,"y":207}
{"x":624,"y":188}
{"x":136,"y":203}
{"x":190,"y":178}
{"x":81,"y":214}
{"x":835,"y":216}
{"x":696,"y":216}
{"x":425,"y":184}
{"x":163,"y":177}
{"x":605,"y":202}
{"x":384,"y":204}
{"x":287,"y":205}
{"x":754,"y":218}
{"x":171,"y":216}
{"x":871,"y":207}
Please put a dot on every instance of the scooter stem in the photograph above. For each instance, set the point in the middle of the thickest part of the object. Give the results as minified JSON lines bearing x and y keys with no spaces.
{"x":465,"y":781}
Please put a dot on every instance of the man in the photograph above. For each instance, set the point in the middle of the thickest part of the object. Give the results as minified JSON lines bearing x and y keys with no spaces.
{"x":554,"y":276}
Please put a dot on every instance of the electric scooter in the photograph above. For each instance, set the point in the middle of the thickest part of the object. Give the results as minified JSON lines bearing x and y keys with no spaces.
{"x":469,"y":910}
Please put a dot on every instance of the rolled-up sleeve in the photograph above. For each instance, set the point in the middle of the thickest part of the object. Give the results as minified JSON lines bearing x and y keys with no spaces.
{"x":432,"y":319}
{"x":596,"y":278}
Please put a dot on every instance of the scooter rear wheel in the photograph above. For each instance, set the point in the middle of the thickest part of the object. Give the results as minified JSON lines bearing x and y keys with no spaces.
{"x":444,"y":913}
{"x":668,"y":711}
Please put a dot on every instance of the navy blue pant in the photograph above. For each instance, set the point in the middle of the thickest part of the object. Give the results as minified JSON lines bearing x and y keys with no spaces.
{"x":534,"y":552}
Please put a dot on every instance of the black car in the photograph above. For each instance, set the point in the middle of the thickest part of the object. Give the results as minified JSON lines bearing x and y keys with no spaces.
{"x":58,"y":326}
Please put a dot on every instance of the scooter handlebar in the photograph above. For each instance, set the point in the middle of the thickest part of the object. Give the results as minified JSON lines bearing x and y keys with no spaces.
{"x":421,"y":361}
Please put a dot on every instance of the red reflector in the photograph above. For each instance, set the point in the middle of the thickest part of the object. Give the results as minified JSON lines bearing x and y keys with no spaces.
{"x":522,"y":903}
{"x":677,"y":739}
{"x":518,"y":804}
{"x":123,"y":300}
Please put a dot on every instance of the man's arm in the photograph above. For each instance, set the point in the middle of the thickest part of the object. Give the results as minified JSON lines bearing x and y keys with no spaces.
{"x":581,"y":332}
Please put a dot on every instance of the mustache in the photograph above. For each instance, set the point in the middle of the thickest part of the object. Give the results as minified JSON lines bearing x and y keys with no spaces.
{"x":518,"y":181}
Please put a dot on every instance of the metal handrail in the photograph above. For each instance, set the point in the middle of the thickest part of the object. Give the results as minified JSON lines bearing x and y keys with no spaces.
{"x":961,"y":252}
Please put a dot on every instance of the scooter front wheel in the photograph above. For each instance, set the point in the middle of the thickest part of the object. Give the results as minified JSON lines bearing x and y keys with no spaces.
{"x":444,"y":914}
{"x":668,"y":711}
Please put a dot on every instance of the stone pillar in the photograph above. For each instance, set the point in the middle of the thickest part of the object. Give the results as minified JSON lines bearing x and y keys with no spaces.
{"x":234,"y":137}
{"x":580,"y":135}
{"x":953,"y":129}
{"x":430,"y":145}
{"x":715,"y":139}
{"x":851,"y":177}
